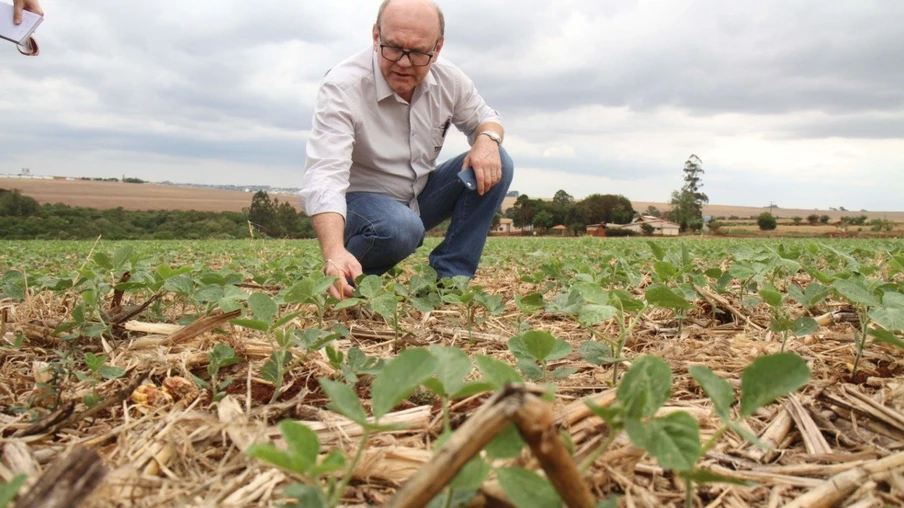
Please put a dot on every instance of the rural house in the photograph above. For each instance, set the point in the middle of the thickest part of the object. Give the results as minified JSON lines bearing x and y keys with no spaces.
{"x":661,"y":227}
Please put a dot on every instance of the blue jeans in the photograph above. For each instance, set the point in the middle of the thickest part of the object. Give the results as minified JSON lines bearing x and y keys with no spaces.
{"x":380,"y":232}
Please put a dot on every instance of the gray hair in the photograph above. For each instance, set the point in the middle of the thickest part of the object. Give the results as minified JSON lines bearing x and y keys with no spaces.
{"x":439,"y":13}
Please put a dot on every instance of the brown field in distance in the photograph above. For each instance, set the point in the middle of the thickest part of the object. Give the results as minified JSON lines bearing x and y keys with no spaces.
{"x":135,"y":196}
{"x":151,"y":196}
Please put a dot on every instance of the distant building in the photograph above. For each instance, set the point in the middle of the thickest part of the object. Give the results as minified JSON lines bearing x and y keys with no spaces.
{"x":661,"y":227}
{"x":506,"y":227}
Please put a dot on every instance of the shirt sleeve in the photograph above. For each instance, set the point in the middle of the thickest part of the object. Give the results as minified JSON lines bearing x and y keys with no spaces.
{"x":471,"y":110}
{"x":328,"y":154}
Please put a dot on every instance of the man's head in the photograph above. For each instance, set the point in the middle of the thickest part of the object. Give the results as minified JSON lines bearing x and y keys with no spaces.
{"x":407,"y":30}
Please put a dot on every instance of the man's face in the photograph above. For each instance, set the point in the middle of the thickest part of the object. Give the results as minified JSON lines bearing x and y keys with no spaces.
{"x":417,"y":34}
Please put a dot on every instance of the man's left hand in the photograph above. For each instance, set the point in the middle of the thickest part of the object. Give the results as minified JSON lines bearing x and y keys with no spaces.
{"x":484,"y":158}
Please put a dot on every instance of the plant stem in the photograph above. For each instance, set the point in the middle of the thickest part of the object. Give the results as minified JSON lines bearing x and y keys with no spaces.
{"x":347,"y":477}
{"x":712,"y":441}
{"x":688,"y":493}
{"x":449,"y":495}
{"x":784,"y":339}
{"x":861,"y":342}
{"x":586,"y":463}
{"x":447,"y":422}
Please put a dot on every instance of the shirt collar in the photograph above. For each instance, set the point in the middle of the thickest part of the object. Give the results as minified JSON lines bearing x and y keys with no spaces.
{"x":383,"y":89}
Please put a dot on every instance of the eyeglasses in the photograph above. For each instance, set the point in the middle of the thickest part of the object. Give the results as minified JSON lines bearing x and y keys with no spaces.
{"x":29,"y":47}
{"x":395,"y":54}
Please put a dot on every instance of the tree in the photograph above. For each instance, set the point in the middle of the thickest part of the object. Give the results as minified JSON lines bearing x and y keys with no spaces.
{"x":263,"y":213}
{"x":523,"y":211}
{"x":687,"y":204}
{"x":647,"y":229}
{"x":15,"y":204}
{"x":563,"y":198}
{"x":652,"y":211}
{"x":824,"y":219}
{"x":813,"y":219}
{"x":606,"y":208}
{"x":797,"y":220}
{"x":766,"y":221}
{"x":543,"y":220}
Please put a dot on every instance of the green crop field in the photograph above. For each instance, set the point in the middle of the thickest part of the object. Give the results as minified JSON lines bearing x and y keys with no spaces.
{"x":589,"y":371}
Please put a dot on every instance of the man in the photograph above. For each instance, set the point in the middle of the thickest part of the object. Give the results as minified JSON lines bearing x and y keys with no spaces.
{"x":380,"y":119}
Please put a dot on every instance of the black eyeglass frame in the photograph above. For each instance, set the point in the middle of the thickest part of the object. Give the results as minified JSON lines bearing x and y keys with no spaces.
{"x":407,"y":53}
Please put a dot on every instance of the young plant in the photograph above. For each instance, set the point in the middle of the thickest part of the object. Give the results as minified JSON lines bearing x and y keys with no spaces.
{"x":8,"y":490}
{"x":98,"y":372}
{"x":674,"y":440}
{"x":354,"y":364}
{"x":398,"y":379}
{"x":781,"y":317}
{"x":222,"y":356}
{"x":886,"y":310}
{"x":535,"y":349}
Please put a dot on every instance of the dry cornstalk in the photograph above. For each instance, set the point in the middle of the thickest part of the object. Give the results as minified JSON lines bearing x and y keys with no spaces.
{"x":68,"y":482}
{"x":839,"y":487}
{"x":774,"y":434}
{"x":535,"y":421}
{"x":188,"y":332}
{"x":812,"y":436}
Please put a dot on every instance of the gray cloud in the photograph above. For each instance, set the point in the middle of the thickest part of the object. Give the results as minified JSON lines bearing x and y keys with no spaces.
{"x":234,"y":81}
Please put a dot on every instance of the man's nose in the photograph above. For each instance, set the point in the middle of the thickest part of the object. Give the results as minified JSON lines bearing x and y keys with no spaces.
{"x":405,"y":58}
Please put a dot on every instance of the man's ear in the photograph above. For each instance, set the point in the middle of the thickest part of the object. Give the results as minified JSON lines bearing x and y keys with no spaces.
{"x":376,"y":35}
{"x":439,"y":47}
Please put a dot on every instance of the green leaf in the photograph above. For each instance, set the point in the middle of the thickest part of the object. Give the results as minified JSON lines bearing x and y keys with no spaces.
{"x":274,"y":456}
{"x":527,"y":489}
{"x":804,"y":325}
{"x":530,"y":369}
{"x":770,"y":377}
{"x":102,"y":260}
{"x":674,"y":441}
{"x":890,"y":318}
{"x":663,"y":296}
{"x":400,"y":377}
{"x":539,"y":346}
{"x":253,"y":324}
{"x":614,"y":416}
{"x":306,"y":496}
{"x":111,"y":372}
{"x":716,"y":388}
{"x":344,"y":401}
{"x":497,"y":372}
{"x":595,"y":352}
{"x":893,"y":299}
{"x":507,"y":444}
{"x":595,"y":314}
{"x":9,"y":490}
{"x":302,"y":442}
{"x":180,"y":285}
{"x":471,"y":476}
{"x":347,"y":303}
{"x":530,"y":303}
{"x":453,"y":366}
{"x":563,"y":372}
{"x":385,"y":305}
{"x":263,"y":308}
{"x":658,"y":251}
{"x":223,"y":355}
{"x":122,"y":255}
{"x":855,"y":292}
{"x":473,"y":388}
{"x":703,"y":476}
{"x":334,"y":461}
{"x":94,"y":362}
{"x":772,"y":297}
{"x":646,"y":387}
{"x":886,"y":337}
{"x":370,"y":286}
{"x":209,"y":294}
{"x":665,"y":270}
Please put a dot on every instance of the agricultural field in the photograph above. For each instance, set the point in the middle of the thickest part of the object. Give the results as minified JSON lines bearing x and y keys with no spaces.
{"x":584,"y":371}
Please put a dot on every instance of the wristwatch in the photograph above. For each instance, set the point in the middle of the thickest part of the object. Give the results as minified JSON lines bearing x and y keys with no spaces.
{"x":492,"y":135}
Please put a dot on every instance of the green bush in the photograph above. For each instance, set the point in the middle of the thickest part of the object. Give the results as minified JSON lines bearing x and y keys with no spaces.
{"x":766,"y":221}
{"x":620,"y":232}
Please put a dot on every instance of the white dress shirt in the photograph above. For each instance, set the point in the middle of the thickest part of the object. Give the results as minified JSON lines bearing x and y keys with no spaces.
{"x":366,"y":138}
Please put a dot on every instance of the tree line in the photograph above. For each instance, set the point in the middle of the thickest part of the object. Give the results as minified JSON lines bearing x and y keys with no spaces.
{"x":22,"y":218}
{"x":575,"y":215}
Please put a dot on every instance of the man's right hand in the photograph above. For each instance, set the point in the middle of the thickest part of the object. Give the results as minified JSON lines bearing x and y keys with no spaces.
{"x":343,"y":265}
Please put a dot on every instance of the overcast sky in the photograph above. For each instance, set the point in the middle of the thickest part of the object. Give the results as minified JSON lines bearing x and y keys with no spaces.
{"x":798,"y":102}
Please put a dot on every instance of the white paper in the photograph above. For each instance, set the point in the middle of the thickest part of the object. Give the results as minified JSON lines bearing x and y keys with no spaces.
{"x":17,"y":33}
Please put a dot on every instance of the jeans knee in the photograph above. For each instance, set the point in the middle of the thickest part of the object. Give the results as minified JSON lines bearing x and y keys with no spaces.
{"x":406,"y":233}
{"x":508,"y":169}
